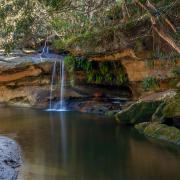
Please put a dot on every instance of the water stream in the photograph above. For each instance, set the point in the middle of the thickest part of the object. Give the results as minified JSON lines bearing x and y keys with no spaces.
{"x":52,"y":84}
{"x":62,"y":105}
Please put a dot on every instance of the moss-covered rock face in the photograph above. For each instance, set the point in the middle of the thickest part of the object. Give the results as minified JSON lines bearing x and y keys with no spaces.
{"x":158,"y":116}
{"x":138,"y":112}
{"x":111,"y":114}
{"x":97,"y":73}
{"x":160,"y":131}
{"x":172,"y":109}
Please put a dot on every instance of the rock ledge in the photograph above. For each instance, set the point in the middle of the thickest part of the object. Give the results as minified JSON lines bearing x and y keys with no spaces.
{"x":10,"y":158}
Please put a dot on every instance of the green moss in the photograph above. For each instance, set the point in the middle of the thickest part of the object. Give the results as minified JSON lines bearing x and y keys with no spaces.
{"x":137,"y":113}
{"x":111,"y":114}
{"x":172,"y":109}
{"x":158,"y":116}
{"x":160,"y":131}
{"x":141,"y":126}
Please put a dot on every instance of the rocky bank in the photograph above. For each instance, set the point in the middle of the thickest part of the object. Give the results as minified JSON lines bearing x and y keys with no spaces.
{"x":10,"y":159}
{"x":156,"y":116}
{"x":25,"y":81}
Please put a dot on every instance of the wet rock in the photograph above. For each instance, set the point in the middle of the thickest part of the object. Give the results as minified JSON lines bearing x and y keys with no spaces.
{"x":158,"y":116}
{"x":138,"y":112}
{"x":159,"y":96}
{"x":172,"y":109}
{"x":160,"y":131}
{"x":112,"y":113}
{"x":10,"y":159}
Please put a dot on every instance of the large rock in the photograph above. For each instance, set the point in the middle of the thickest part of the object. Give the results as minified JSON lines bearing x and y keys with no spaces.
{"x":160,"y":131}
{"x":165,"y":122}
{"x":10,"y":159}
{"x":172,"y":109}
{"x":168,"y":112}
{"x":138,"y":112}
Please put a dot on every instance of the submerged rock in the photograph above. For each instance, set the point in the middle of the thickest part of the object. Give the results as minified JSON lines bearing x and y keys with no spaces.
{"x":160,"y":131}
{"x":10,"y":159}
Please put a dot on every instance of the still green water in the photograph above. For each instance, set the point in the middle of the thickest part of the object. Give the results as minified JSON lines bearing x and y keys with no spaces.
{"x":75,"y":146}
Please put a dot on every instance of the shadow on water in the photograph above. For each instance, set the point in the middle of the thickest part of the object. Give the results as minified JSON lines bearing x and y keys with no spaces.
{"x":74,"y":146}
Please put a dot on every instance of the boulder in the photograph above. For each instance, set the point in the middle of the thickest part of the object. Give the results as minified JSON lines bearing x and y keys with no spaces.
{"x":10,"y":159}
{"x":160,"y":131}
{"x":111,"y":113}
{"x":136,"y":113}
{"x":158,"y":116}
{"x":172,"y":109}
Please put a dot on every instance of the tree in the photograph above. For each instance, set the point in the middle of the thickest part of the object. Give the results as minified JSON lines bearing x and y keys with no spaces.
{"x":21,"y":20}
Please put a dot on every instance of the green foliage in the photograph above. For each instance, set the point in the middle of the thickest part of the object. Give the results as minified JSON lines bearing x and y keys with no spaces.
{"x":97,"y":73}
{"x":176,"y":72}
{"x":150,"y":64}
{"x":150,"y":83}
{"x":69,"y":62}
{"x":73,"y":22}
{"x":160,"y":131}
{"x":121,"y":77}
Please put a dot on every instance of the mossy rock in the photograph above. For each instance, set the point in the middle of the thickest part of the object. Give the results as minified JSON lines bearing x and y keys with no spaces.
{"x":160,"y":131}
{"x":141,"y":126}
{"x":158,"y":116}
{"x":111,"y":114}
{"x":138,"y":112}
{"x":172,"y":109}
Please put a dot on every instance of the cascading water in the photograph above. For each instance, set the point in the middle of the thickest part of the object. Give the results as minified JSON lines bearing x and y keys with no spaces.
{"x":52,"y":84}
{"x":62,"y":106}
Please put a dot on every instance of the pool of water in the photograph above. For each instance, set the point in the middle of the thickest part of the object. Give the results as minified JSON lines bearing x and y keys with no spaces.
{"x":74,"y":146}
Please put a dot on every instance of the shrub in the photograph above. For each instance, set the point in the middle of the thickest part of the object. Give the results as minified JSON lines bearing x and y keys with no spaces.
{"x":69,"y":62}
{"x":176,"y":72}
{"x":150,"y":83}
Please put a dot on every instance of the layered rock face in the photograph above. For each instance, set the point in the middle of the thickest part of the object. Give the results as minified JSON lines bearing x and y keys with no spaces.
{"x":24,"y":81}
{"x":139,"y":65}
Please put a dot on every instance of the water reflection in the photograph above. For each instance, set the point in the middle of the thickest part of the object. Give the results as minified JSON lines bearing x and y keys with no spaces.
{"x":63,"y":138}
{"x":77,"y":146}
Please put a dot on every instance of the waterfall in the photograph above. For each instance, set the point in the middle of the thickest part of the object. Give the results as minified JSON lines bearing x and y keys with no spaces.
{"x":52,"y":84}
{"x":45,"y":50}
{"x":60,"y":106}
